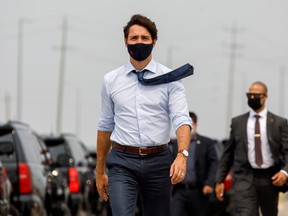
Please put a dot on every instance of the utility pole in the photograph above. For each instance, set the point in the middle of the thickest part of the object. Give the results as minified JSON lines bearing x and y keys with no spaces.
{"x":170,"y":51}
{"x":231,"y":73}
{"x":169,"y":56}
{"x":244,"y":84}
{"x":61,"y":76}
{"x":7,"y":100}
{"x":19,"y":86}
{"x":19,"y":69}
{"x":78,"y":112}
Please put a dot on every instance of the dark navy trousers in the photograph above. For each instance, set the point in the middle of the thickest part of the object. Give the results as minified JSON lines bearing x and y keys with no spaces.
{"x":130,"y":174}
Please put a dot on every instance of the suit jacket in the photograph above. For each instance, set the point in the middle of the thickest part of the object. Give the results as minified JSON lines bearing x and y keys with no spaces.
{"x":235,"y":154}
{"x":206,"y":160}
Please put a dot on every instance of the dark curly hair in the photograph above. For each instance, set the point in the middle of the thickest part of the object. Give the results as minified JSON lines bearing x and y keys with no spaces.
{"x":141,"y":20}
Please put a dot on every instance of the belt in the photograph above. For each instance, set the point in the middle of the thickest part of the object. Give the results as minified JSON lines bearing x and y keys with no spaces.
{"x":140,"y":150}
{"x":188,"y":186}
{"x":268,"y":171}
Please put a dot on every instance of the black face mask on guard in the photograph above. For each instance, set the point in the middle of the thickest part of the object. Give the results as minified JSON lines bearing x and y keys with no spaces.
{"x":254,"y":103}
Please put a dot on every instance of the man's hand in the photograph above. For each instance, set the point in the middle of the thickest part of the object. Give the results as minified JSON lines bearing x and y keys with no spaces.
{"x":279,"y":179}
{"x":103,"y":149}
{"x":220,"y":187}
{"x":178,"y":169}
{"x":102,"y":186}
{"x":207,"y":190}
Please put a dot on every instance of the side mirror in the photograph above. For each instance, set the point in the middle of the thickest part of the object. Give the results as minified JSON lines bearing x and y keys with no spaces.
{"x":64,"y":160}
{"x":6,"y":148}
{"x":46,"y":157}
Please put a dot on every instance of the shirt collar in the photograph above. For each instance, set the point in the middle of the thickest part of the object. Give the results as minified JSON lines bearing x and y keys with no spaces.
{"x":151,"y":67}
{"x":263,"y":113}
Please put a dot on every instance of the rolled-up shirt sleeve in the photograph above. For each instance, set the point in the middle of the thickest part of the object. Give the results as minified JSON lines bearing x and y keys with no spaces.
{"x":106,"y":120}
{"x":178,"y":105}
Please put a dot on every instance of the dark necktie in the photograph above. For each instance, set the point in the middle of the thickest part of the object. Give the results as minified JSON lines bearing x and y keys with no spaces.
{"x":257,"y":138}
{"x":140,"y":75}
{"x":177,"y":74}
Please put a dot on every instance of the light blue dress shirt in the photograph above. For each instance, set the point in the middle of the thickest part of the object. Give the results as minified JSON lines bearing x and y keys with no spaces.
{"x":141,"y":115}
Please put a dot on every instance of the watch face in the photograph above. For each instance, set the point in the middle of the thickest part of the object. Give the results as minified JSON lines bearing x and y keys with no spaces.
{"x":185,"y":152}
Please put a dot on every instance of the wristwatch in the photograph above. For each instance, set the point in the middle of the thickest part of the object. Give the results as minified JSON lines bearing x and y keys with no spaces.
{"x":184,"y":152}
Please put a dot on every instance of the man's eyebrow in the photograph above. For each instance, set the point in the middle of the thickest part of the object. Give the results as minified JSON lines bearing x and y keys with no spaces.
{"x":145,"y":36}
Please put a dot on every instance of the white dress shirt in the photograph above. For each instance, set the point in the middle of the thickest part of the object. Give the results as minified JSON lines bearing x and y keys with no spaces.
{"x":266,"y":152}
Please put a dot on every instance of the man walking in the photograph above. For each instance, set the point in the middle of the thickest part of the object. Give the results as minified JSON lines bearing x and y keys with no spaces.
{"x":257,"y":152}
{"x":191,"y":196}
{"x":135,"y":122}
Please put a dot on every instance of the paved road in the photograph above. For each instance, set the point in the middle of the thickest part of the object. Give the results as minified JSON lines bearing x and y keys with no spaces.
{"x":283,"y":205}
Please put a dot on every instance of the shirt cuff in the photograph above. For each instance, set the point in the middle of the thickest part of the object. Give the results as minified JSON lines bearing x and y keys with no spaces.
{"x":283,"y":171}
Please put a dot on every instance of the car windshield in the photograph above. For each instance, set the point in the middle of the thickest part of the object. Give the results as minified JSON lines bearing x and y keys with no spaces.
{"x":56,"y":150}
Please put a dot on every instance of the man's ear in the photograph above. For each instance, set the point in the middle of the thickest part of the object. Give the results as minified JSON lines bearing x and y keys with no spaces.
{"x":154,"y":43}
{"x":125,"y":42}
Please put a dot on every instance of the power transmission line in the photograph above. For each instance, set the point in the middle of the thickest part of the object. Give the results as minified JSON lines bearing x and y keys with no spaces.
{"x":61,"y":76}
{"x":231,"y":74}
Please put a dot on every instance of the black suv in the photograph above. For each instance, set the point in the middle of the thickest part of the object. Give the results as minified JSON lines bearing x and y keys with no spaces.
{"x":70,"y":156}
{"x":56,"y":200}
{"x":25,"y":167}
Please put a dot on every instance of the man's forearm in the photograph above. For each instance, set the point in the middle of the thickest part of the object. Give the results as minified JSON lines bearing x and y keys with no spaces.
{"x":183,"y":137}
{"x":103,"y":149}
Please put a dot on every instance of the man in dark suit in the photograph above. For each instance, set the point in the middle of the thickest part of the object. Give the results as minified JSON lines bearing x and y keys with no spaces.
{"x":257,"y":152}
{"x":191,"y":196}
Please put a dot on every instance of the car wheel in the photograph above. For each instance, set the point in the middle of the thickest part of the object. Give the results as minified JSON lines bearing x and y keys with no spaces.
{"x":13,"y":211}
{"x":61,"y":210}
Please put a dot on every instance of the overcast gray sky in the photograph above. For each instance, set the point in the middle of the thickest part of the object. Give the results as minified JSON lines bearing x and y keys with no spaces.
{"x":198,"y":32}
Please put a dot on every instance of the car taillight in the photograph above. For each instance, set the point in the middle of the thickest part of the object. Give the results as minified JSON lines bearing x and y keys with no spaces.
{"x":1,"y":182}
{"x":73,"y":180}
{"x":25,"y":184}
{"x":228,"y":181}
{"x":4,"y":172}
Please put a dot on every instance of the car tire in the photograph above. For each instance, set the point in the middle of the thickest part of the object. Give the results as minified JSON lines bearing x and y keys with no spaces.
{"x":13,"y":211}
{"x":60,"y":210}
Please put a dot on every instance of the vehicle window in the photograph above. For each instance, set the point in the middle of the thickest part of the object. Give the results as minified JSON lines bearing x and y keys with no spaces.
{"x":31,"y":147}
{"x":45,"y":155}
{"x":7,"y":136}
{"x":76,"y":149}
{"x":56,"y":150}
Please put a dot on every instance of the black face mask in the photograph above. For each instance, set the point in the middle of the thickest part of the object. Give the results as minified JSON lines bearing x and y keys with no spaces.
{"x":254,"y":103}
{"x":139,"y":51}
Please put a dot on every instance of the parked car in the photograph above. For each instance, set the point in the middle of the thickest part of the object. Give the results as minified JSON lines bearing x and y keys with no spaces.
{"x":57,"y":194}
{"x":26,"y":168}
{"x":56,"y":200}
{"x":6,"y":208}
{"x":70,"y":157}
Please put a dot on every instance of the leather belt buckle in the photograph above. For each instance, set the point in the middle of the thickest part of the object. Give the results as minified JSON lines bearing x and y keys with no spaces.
{"x":140,"y":151}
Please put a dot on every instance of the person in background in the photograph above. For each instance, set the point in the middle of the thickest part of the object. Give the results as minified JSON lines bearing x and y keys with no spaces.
{"x":257,"y":152}
{"x":191,"y":196}
{"x":134,"y":128}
